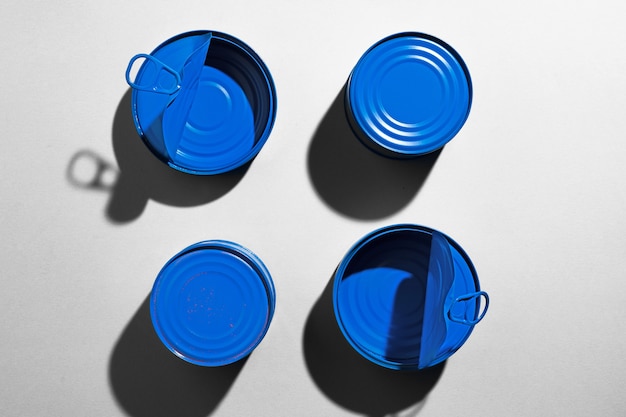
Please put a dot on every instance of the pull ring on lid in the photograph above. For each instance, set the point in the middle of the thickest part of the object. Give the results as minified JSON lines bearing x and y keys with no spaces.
{"x":468,"y":298}
{"x":156,"y":83}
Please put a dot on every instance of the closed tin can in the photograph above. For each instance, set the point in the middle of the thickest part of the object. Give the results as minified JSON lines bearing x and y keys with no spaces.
{"x":408,"y":95}
{"x":212,"y":303}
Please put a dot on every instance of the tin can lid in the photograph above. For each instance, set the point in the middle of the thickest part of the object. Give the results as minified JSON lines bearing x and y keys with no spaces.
{"x":212,"y":303}
{"x":410,"y":94}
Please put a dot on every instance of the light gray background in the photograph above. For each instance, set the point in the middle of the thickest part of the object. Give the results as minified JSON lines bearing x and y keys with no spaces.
{"x":532,"y":188}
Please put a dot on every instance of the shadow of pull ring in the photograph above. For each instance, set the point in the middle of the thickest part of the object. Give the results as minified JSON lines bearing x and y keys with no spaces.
{"x":88,"y":170}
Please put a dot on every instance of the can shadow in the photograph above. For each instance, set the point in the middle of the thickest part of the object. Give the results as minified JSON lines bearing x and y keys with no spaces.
{"x":148,"y":380}
{"x":142,"y":176}
{"x":355,"y":181}
{"x":352,"y":381}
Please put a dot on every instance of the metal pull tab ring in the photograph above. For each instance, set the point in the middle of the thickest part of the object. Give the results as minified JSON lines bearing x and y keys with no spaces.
{"x":466,"y":298}
{"x":157,"y":84}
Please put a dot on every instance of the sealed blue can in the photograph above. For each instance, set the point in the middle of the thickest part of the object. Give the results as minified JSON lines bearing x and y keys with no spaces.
{"x":407,"y":297}
{"x":408,"y":95}
{"x":203,"y":102}
{"x":212,"y":303}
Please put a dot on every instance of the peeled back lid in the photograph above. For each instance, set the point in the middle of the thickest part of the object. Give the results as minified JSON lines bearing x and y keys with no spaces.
{"x":177,"y":112}
{"x":452,"y":303}
{"x":439,"y":282}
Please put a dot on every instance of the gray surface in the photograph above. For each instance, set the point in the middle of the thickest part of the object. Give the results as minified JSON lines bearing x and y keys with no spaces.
{"x":532,"y":187}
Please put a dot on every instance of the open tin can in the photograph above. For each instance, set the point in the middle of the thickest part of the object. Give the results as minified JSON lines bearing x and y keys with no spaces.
{"x":203,"y":102}
{"x":407,"y":297}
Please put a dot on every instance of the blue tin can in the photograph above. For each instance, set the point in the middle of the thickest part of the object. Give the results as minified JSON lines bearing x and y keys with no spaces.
{"x":408,"y":95}
{"x":203,"y":102}
{"x":212,"y":303}
{"x":407,"y":297}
